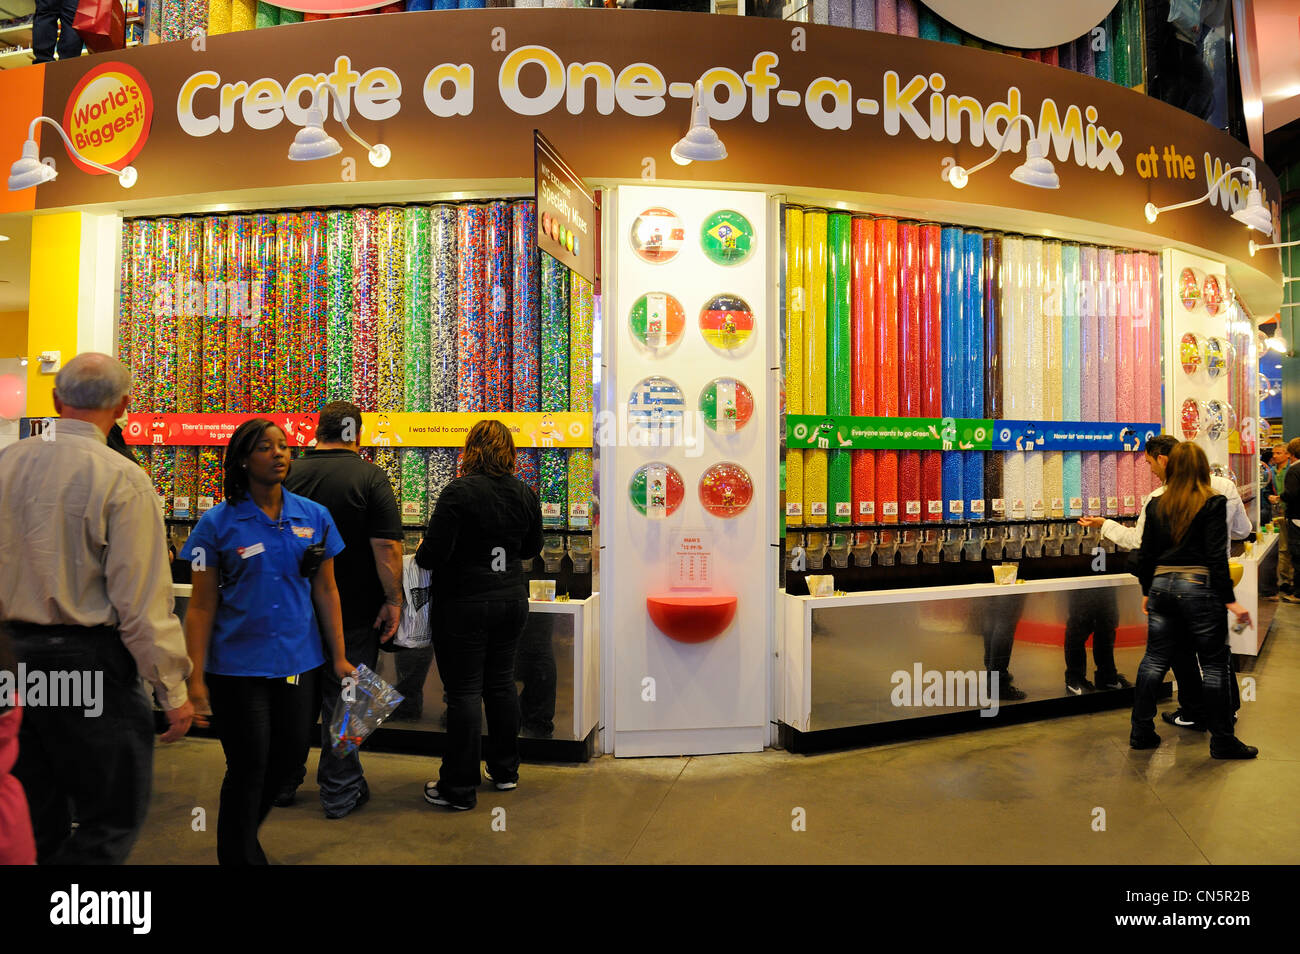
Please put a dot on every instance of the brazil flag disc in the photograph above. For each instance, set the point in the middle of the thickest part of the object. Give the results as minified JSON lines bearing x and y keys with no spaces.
{"x":726,"y":321}
{"x":656,"y":490}
{"x":726,"y":405}
{"x":727,"y":237}
{"x":658,"y":320}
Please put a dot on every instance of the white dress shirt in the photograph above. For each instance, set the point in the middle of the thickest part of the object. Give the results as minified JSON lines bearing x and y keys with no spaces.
{"x":82,"y":543}
{"x":1130,"y":538}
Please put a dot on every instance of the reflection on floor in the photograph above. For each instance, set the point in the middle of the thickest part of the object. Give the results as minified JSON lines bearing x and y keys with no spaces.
{"x":1019,"y":794}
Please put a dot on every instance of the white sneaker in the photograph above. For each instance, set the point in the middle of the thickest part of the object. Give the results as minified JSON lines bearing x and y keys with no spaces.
{"x":499,"y":786}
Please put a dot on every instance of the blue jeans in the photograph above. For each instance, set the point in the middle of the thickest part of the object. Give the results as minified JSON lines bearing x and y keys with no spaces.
{"x":94,"y":770}
{"x":340,"y":778}
{"x":1185,"y":617}
{"x":475,"y":646}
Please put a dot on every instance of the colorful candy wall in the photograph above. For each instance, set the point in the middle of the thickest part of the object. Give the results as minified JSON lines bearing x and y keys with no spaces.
{"x":891,"y":318}
{"x":400,"y":308}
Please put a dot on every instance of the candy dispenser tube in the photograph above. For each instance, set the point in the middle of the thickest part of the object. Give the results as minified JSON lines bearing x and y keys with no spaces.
{"x":909,"y":364}
{"x":992,"y":370}
{"x":863,"y":363}
{"x":1072,"y":376}
{"x":973,"y":375}
{"x":932,"y":502}
{"x":886,"y":328}
{"x":816,"y":464}
{"x":839,"y":380}
{"x":954,"y":365}
{"x":794,"y":350}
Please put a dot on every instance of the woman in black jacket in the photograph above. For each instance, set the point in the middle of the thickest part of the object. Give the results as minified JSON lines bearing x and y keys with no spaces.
{"x":1183,"y":568}
{"x":485,"y":524}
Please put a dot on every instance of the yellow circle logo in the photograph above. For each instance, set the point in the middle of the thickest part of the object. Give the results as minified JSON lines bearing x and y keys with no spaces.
{"x":108,"y":115}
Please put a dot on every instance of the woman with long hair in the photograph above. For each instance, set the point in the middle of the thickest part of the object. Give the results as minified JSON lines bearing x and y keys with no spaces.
{"x":263,"y":564}
{"x":1183,"y":568}
{"x":485,"y":524}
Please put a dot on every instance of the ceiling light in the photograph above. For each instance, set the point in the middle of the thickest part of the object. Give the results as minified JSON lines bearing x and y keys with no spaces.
{"x":1036,"y":170}
{"x":313,"y":142}
{"x":701,"y":143}
{"x":30,"y":171}
{"x":1253,"y":215}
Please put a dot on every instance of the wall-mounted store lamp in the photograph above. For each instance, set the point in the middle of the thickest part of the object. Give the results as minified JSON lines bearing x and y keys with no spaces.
{"x":30,"y":171}
{"x":701,"y":143}
{"x":313,"y":142}
{"x":1258,"y":248}
{"x":1253,"y":216}
{"x":1037,"y":170}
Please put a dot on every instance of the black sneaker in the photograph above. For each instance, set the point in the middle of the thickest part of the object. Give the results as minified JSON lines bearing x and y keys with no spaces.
{"x":499,"y":786}
{"x":434,"y":797}
{"x":1009,"y":693}
{"x":287,"y":797}
{"x":1177,"y":718}
{"x":1116,"y":681}
{"x":1143,"y":739}
{"x":1235,"y":749}
{"x":1077,"y":687}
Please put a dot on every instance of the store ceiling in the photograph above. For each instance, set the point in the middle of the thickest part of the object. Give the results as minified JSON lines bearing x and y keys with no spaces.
{"x":1277,"y":34}
{"x":15,"y":256}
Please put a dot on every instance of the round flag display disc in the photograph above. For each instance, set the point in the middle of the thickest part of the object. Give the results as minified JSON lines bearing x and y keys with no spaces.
{"x":1216,"y":357}
{"x":656,"y":490}
{"x":1191,"y":352}
{"x":1190,"y":419}
{"x":726,"y":405}
{"x":726,"y":321}
{"x":656,"y":404}
{"x":658,"y":320}
{"x":725,"y":489}
{"x":727,"y":237}
{"x":1189,"y":289}
{"x":1212,"y":294}
{"x":658,"y":235}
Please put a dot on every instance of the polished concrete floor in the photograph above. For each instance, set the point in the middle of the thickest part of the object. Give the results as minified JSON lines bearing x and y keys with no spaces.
{"x":1021,"y":794}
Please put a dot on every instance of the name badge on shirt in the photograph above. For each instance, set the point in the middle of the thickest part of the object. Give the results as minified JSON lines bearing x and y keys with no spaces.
{"x":254,"y":550}
{"x":304,"y":532}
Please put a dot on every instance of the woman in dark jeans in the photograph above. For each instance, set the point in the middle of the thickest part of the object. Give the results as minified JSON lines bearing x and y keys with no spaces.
{"x":263,"y":563}
{"x":485,"y":524}
{"x":1183,"y":568}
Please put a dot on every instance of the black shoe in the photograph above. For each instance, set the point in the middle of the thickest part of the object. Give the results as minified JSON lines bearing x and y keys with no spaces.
{"x":434,"y":797}
{"x":1009,"y":693}
{"x":1077,"y":687}
{"x":529,"y":732}
{"x":1236,"y":749}
{"x":1177,"y":718}
{"x":361,"y":800}
{"x":1116,"y":681}
{"x":287,"y":797}
{"x":1143,"y":739}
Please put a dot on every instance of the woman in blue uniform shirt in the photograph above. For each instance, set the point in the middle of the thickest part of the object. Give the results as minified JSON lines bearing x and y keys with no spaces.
{"x":263,"y":563}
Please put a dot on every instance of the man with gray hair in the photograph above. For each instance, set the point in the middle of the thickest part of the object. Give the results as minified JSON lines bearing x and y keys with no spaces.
{"x":84,"y":586}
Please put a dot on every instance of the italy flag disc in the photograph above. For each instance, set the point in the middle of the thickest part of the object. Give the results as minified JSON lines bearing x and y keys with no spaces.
{"x":726,"y":404}
{"x":658,"y":320}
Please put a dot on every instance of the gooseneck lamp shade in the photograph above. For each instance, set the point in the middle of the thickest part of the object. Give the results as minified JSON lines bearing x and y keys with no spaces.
{"x":29,"y":171}
{"x":1253,"y":215}
{"x":1037,"y":170}
{"x":313,"y":142}
{"x":701,"y":143}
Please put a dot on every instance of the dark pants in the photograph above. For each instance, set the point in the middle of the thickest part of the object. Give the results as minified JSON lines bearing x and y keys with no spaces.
{"x":262,"y":724}
{"x":340,"y":778}
{"x":412,"y":667}
{"x":999,"y":616}
{"x":1186,"y":617}
{"x":50,"y":16}
{"x":1095,"y":613}
{"x":535,"y":668}
{"x":475,"y":647}
{"x":94,"y":770}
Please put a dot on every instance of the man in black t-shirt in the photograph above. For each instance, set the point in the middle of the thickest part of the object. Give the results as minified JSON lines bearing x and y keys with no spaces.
{"x":369,"y":574}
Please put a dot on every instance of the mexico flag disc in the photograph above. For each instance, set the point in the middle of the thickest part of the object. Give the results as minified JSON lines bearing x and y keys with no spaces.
{"x":658,"y":235}
{"x":726,"y":405}
{"x":725,"y":489}
{"x":726,"y":321}
{"x":727,"y":237}
{"x":658,"y":320}
{"x":656,"y":490}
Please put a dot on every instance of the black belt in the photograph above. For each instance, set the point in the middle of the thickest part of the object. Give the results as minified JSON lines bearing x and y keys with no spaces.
{"x":22,"y":630}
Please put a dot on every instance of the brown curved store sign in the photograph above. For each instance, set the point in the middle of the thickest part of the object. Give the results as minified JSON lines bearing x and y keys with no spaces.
{"x":456,"y":95}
